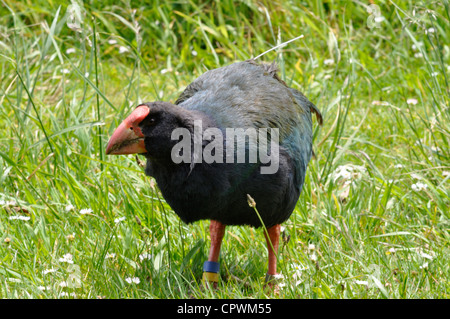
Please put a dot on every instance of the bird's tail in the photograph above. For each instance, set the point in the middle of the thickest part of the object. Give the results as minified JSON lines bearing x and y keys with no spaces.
{"x":316,"y":111}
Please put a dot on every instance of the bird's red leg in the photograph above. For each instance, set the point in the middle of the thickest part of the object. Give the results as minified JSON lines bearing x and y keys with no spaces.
{"x":217,"y":231}
{"x":211,"y":267}
{"x":272,"y":239}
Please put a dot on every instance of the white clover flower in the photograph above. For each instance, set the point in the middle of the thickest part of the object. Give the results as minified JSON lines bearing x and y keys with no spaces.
{"x":417,"y":187}
{"x":348,"y":172}
{"x":411,"y":101}
{"x":134,"y":280}
{"x":418,"y":55}
{"x":112,"y":41}
{"x":123,"y":49}
{"x":342,"y":171}
{"x":416,"y":47}
{"x":398,"y":166}
{"x":70,"y":50}
{"x":436,"y":149}
{"x":313,"y":257}
{"x":278,"y":276}
{"x":65,"y":71}
{"x":430,"y":30}
{"x":47,"y":271}
{"x":85,"y":211}
{"x":163,"y":71}
{"x":298,"y":268}
{"x":425,"y":265}
{"x":328,"y":61}
{"x":145,"y":256}
{"x":194,"y":53}
{"x":311,"y":247}
{"x":429,"y":256}
{"x":67,"y":258}
{"x":19,"y":217}
{"x":392,"y":250}
{"x":69,"y":208}
{"x":347,"y":175}
{"x":118,"y":220}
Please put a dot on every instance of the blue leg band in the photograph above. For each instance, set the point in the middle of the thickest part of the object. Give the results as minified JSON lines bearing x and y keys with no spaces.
{"x":211,"y":266}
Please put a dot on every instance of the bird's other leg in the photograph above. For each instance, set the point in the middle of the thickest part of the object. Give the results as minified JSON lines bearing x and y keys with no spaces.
{"x":272,"y":239}
{"x":211,"y":267}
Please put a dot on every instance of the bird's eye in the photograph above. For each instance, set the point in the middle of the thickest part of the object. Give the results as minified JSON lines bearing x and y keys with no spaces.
{"x":151,"y":120}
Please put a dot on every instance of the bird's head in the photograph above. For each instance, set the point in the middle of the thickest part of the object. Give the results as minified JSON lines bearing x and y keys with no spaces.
{"x":148,"y":130}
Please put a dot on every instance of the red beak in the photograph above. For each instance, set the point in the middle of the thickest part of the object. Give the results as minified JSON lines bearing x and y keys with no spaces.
{"x":128,"y":137}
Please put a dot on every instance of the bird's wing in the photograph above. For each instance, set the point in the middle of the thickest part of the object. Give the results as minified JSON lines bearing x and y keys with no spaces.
{"x":247,"y":94}
{"x":243,"y":95}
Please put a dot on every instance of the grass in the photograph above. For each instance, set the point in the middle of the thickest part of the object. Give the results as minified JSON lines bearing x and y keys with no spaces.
{"x":373,"y":218}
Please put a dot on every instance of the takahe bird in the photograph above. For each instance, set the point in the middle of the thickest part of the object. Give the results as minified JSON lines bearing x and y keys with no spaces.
{"x":242,"y":95}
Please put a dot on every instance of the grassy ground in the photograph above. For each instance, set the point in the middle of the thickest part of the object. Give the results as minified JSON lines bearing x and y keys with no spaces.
{"x":372,"y":221}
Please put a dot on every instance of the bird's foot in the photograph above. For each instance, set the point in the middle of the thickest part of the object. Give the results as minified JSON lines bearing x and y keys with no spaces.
{"x":271,"y":282}
{"x":210,"y":284}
